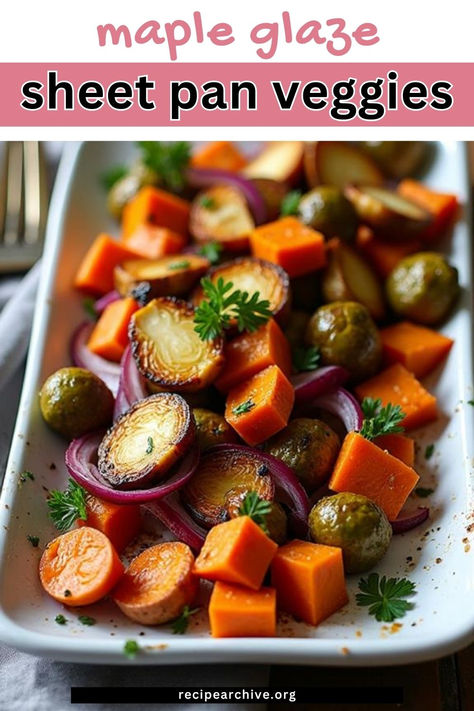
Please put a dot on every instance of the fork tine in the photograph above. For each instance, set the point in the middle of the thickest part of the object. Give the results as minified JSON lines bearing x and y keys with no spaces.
{"x":33,"y":208}
{"x":13,"y":202}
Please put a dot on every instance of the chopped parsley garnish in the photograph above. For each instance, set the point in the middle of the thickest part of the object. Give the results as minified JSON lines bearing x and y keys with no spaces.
{"x":429,"y":451}
{"x":207,"y":202}
{"x":66,"y":507}
{"x":305,"y":358}
{"x":290,"y":203}
{"x":150,"y":445}
{"x":168,"y":160}
{"x":470,"y":402}
{"x":86,"y":620}
{"x":88,"y":304}
{"x":245,"y":406}
{"x":181,"y":624}
{"x":183,"y":264}
{"x":256,"y":508}
{"x":422,"y":492}
{"x":24,"y":476}
{"x":385,"y":598}
{"x":131,"y":648}
{"x":113,"y":175}
{"x":211,"y":251}
{"x":380,"y":420}
{"x":60,"y":619}
{"x":34,"y":540}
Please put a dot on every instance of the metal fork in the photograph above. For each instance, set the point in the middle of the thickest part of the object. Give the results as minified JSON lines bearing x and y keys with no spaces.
{"x":23,"y":205}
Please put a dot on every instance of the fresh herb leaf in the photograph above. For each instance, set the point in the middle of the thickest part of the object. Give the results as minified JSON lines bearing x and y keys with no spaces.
{"x":385,"y":598}
{"x":24,"y":476}
{"x":34,"y":540}
{"x":290,"y":203}
{"x":207,"y":202}
{"x":60,"y":619}
{"x":150,"y":445}
{"x":256,"y":508}
{"x":429,"y":451}
{"x":168,"y":160}
{"x":183,"y":264}
{"x":67,"y":593}
{"x":113,"y":175}
{"x":131,"y":648}
{"x":88,"y":304}
{"x":245,"y":406}
{"x":66,"y":507}
{"x":305,"y":358}
{"x":422,"y":492}
{"x":380,"y":420}
{"x":181,"y":624}
{"x":470,"y":402}
{"x":86,"y":620}
{"x":211,"y":251}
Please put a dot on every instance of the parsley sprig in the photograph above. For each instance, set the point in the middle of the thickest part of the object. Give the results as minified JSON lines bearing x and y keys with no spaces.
{"x":66,"y":507}
{"x":380,"y":420}
{"x":243,"y":407}
{"x":222,"y":304}
{"x":168,"y":160}
{"x":181,"y":623}
{"x":385,"y":598}
{"x":257,"y":508}
{"x":113,"y":175}
{"x":131,"y":648}
{"x":211,"y":251}
{"x":290,"y":203}
{"x":305,"y":358}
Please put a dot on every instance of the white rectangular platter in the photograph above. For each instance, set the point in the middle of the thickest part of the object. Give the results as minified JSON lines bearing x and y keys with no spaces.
{"x":438,"y":556}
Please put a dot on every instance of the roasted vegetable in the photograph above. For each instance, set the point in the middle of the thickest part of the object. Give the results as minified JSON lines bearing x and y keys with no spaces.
{"x":339,"y":164}
{"x":280,"y":160}
{"x":346,"y":335}
{"x":273,"y":194}
{"x":167,"y":349}
{"x":310,"y":447}
{"x":254,"y":275}
{"x":145,"y":442}
{"x":174,"y":275}
{"x":397,"y":159}
{"x":354,"y":523}
{"x":389,"y":214}
{"x":221,"y":481}
{"x":221,"y":214}
{"x":423,"y":287}
{"x":348,"y":277}
{"x":128,"y":185}
{"x":326,"y":209}
{"x":211,"y":428}
{"x":74,"y":401}
{"x":295,"y":328}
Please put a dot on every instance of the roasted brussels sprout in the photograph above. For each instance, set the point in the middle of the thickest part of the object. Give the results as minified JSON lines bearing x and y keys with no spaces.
{"x":327,"y":210}
{"x":74,"y":401}
{"x":310,"y":447}
{"x":211,"y":428}
{"x":277,"y":523}
{"x":346,"y":335}
{"x":398,"y":159}
{"x":423,"y":287}
{"x":354,"y":523}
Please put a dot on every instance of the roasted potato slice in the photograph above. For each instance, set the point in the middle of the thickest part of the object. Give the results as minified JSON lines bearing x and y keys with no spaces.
{"x":173,"y":275}
{"x":145,"y":442}
{"x":280,"y":160}
{"x":390,"y":215}
{"x":251,"y":275}
{"x":221,"y":214}
{"x":348,"y":277}
{"x":167,"y":349}
{"x":221,"y":481}
{"x":338,"y":164}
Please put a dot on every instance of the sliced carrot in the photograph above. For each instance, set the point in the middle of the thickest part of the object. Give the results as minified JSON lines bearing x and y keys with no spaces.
{"x":237,"y":551}
{"x":118,"y":522}
{"x":418,"y":348}
{"x":364,"y":468}
{"x":154,"y":242}
{"x":309,"y":580}
{"x":235,"y":611}
{"x":398,"y":446}
{"x":152,"y":206}
{"x":400,"y":387}
{"x":261,"y":406}
{"x":441,"y":206}
{"x":222,"y":155}
{"x":96,"y":272}
{"x":287,"y":242}
{"x":383,"y":256}
{"x":158,"y":584}
{"x":80,"y":567}
{"x":250,"y":353}
{"x":110,"y":335}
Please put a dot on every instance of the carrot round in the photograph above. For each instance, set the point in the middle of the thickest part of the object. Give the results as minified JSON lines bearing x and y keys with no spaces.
{"x":80,"y":567}
{"x":158,"y":584}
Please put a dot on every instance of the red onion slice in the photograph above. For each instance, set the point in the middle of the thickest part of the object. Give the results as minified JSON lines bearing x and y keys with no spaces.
{"x":82,"y":357}
{"x":171,"y":513}
{"x":102,"y":303}
{"x":205,"y":177}
{"x":317,"y":382}
{"x":410,"y":519}
{"x":80,"y":462}
{"x":344,"y":405}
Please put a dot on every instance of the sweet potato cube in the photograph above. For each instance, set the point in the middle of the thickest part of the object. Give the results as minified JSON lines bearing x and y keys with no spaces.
{"x":364,"y":468}
{"x":152,"y":206}
{"x":119,"y":522}
{"x":110,"y":335}
{"x":237,"y":551}
{"x":235,"y":611}
{"x":96,"y":271}
{"x":418,"y":348}
{"x":383,"y":256}
{"x":441,"y":206}
{"x":250,"y":353}
{"x":287,"y":242}
{"x":222,"y":155}
{"x":154,"y":242}
{"x":309,"y":580}
{"x":400,"y":387}
{"x":398,"y":446}
{"x":261,"y":406}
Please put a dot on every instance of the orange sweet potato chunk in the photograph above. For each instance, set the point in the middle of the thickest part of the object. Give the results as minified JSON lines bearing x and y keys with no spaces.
{"x":418,"y":348}
{"x":383,"y":256}
{"x":152,"y":206}
{"x":235,"y":611}
{"x":398,"y":446}
{"x":291,"y":244}
{"x":222,"y":155}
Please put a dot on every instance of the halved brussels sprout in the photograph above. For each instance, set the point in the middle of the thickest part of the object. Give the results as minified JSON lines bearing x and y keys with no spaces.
{"x":173,"y":275}
{"x":398,"y":159}
{"x":212,"y":428}
{"x":167,"y":349}
{"x":339,"y":164}
{"x":222,"y":480}
{"x":146,"y":441}
{"x":221,"y":214}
